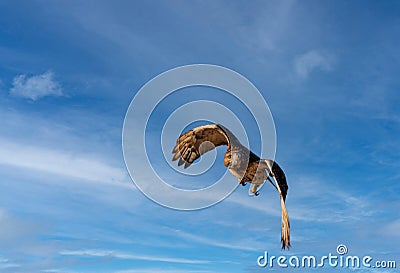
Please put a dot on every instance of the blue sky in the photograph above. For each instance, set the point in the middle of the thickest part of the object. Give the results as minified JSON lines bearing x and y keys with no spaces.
{"x":68,"y":71}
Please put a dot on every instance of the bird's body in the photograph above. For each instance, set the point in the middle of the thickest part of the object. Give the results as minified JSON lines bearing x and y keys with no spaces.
{"x":240,"y":161}
{"x":243,"y":164}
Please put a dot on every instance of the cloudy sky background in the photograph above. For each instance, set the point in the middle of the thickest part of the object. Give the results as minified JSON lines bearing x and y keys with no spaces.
{"x":68,"y":71}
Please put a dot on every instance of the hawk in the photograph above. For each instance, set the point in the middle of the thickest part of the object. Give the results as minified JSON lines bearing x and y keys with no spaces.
{"x":240,"y":161}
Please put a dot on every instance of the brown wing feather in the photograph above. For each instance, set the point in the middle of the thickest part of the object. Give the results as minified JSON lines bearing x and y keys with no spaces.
{"x":192,"y":144}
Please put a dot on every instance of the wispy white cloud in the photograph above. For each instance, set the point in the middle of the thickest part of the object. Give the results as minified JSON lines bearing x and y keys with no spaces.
{"x":392,"y":229}
{"x":14,"y":228}
{"x":265,"y":33}
{"x":128,"y":256}
{"x":60,"y":162}
{"x":36,"y":87}
{"x":336,"y":205}
{"x":247,"y":245}
{"x":6,"y":263}
{"x":312,"y":60}
{"x":331,"y":203}
{"x":162,"y":270}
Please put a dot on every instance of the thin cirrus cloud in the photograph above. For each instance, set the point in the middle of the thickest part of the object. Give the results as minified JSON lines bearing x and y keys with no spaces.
{"x":55,"y":161}
{"x":162,"y":270}
{"x":36,"y":87}
{"x":310,"y":61}
{"x":244,"y":245}
{"x":128,"y":256}
{"x":392,"y":228}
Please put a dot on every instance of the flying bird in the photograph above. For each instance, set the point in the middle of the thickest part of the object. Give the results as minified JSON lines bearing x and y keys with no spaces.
{"x":240,"y":161}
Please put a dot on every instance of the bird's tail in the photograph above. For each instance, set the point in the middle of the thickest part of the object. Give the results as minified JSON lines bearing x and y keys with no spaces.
{"x":285,"y":235}
{"x":281,"y":186}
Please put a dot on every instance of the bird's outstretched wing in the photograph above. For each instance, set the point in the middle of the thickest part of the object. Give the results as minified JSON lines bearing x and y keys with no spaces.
{"x":192,"y":144}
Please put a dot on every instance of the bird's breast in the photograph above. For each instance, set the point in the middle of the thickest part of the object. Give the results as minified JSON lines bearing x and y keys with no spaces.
{"x":239,"y":162}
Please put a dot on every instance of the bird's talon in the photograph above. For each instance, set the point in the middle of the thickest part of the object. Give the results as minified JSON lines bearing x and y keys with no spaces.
{"x":256,"y":193}
{"x":243,"y":183}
